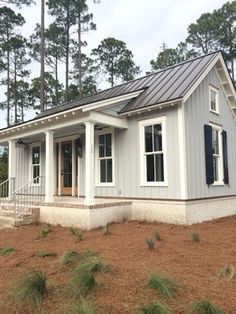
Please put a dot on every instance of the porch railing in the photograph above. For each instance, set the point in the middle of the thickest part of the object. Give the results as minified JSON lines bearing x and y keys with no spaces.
{"x":31,"y":193}
{"x":7,"y":188}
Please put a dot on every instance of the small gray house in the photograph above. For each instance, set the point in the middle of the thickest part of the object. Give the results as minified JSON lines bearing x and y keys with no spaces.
{"x":159,"y":148}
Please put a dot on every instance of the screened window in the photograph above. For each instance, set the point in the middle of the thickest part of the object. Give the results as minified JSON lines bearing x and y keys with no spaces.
{"x":105,"y":158}
{"x":153,"y":154}
{"x":36,"y":163}
{"x":213,"y":94}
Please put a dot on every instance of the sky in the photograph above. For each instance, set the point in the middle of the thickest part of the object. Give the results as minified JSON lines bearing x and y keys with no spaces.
{"x":143,"y":25}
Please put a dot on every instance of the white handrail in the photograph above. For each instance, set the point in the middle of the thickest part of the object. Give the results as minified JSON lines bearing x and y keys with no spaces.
{"x":29,"y":194}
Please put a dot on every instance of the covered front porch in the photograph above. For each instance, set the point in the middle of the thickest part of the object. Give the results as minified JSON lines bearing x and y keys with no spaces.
{"x":58,"y":156}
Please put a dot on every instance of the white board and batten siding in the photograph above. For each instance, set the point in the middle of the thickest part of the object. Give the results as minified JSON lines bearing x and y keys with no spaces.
{"x":24,"y":164}
{"x":127,"y":177}
{"x":197,"y":114}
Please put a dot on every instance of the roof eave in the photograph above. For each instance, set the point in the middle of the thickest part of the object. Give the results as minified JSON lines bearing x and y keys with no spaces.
{"x":160,"y":105}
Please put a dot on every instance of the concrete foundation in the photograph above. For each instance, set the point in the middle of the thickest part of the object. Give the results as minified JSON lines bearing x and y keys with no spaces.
{"x":177,"y":212}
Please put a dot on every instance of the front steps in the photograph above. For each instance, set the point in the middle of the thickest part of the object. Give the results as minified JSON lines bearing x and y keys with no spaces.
{"x":9,"y":220}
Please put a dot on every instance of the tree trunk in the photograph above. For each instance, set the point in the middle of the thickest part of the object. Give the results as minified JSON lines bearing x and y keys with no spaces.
{"x":22,"y":113}
{"x":80,"y":58}
{"x":42,"y":53}
{"x":15,"y":88}
{"x":67,"y":49}
{"x":112,"y":75}
{"x":56,"y":77}
{"x":8,"y":87}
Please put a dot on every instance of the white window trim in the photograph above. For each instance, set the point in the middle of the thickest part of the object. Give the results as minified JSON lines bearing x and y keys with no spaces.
{"x":142,"y":124}
{"x":221,"y":170}
{"x":38,"y":144}
{"x":211,"y":88}
{"x":97,"y":160}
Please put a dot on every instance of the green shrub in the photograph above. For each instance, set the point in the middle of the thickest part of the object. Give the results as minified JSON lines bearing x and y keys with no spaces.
{"x":204,"y":307}
{"x":106,"y":229}
{"x":166,"y":286}
{"x":195,"y":237}
{"x":30,"y":289}
{"x":77,"y":233}
{"x":151,"y":244}
{"x":155,"y":308}
{"x":45,"y":254}
{"x":44,"y":232}
{"x":157,"y":236}
{"x":6,"y":250}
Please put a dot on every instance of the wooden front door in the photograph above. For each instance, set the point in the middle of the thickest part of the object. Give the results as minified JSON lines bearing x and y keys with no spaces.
{"x":66,"y":168}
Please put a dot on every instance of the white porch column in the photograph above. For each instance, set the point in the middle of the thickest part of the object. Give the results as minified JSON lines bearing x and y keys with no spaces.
{"x":89,"y":163}
{"x":49,"y":167}
{"x":73,"y":168}
{"x":11,"y":165}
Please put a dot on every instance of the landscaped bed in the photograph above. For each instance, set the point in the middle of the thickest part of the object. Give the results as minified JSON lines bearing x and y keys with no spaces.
{"x":190,"y":255}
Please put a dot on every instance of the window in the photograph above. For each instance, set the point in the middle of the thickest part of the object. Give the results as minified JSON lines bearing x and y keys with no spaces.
{"x":105,"y":158}
{"x":36,"y":163}
{"x":217,"y":155}
{"x":213,"y":96}
{"x":153,"y":156}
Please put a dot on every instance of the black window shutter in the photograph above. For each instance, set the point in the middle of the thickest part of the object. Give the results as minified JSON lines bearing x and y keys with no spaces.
{"x":225,"y":157}
{"x":208,"y":154}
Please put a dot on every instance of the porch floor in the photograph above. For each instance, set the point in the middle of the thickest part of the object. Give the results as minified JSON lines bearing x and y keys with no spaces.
{"x":75,"y":202}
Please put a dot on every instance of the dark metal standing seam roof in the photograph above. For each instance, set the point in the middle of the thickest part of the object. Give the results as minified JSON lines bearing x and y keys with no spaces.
{"x":165,"y":85}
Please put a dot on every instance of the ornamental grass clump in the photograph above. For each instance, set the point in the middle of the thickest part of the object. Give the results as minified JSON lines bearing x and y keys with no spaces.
{"x":92,"y":264}
{"x":77,"y":233}
{"x":45,"y":254}
{"x":81,"y":282}
{"x":30,"y":289}
{"x":70,"y":257}
{"x":44,"y":232}
{"x":195,"y":237}
{"x":106,"y":229}
{"x":165,"y":286}
{"x":227,"y":272}
{"x":83,"y":307}
{"x":204,"y":307}
{"x":155,"y":308}
{"x":151,"y":244}
{"x":6,"y":250}
{"x":157,"y":236}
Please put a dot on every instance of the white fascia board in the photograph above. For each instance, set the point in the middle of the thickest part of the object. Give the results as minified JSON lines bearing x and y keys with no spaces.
{"x":152,"y":107}
{"x":111,"y":101}
{"x":21,"y":133}
{"x":106,"y":119}
{"x":228,"y":78}
{"x":203,"y":75}
{"x":199,"y":80}
{"x":35,"y":123}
